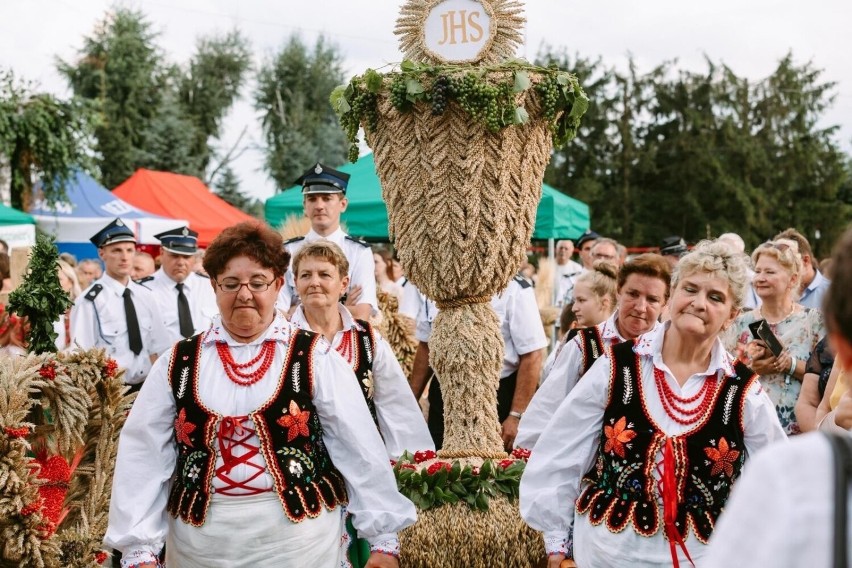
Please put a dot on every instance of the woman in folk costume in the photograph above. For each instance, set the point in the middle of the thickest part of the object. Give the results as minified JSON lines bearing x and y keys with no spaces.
{"x":647,"y":445}
{"x":320,"y":271}
{"x":247,"y":440}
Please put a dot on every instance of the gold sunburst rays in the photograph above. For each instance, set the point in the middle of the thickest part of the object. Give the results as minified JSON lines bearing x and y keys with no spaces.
{"x":506,"y":31}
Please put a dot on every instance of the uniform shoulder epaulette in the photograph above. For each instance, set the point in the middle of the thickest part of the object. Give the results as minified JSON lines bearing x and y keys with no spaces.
{"x":94,"y":291}
{"x":523,"y":282}
{"x":144,"y":279}
{"x":361,"y":242}
{"x":294,"y":240}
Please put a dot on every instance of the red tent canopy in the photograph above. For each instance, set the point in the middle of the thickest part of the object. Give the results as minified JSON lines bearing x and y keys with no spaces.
{"x":184,"y":197}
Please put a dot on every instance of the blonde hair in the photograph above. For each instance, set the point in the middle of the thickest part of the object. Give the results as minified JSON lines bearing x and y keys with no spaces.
{"x":325,"y":250}
{"x":601,"y":280}
{"x":71,"y":274}
{"x":719,"y":259}
{"x":789,"y":258}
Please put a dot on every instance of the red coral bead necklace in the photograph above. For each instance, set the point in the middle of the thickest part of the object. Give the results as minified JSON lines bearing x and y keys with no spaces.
{"x":239,"y":373}
{"x":674,"y":404}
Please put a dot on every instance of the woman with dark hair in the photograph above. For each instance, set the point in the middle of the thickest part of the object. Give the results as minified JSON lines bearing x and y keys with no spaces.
{"x":648,"y":444}
{"x":782,"y":511}
{"x":642,"y":289}
{"x":247,"y":440}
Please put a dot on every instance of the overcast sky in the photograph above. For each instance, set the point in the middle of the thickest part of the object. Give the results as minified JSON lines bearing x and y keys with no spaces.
{"x":748,"y":35}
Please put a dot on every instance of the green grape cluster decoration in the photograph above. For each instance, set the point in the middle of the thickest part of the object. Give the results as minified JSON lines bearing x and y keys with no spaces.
{"x":489,"y":95}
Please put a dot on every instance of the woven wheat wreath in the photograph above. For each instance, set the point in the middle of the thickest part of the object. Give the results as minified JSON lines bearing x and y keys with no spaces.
{"x":460,"y":149}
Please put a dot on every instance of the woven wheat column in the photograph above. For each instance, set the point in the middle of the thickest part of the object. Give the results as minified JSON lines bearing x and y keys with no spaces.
{"x":461,"y":142}
{"x":461,"y":203}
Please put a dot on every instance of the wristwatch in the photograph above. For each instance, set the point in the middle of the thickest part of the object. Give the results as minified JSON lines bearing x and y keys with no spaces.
{"x":514,"y":414}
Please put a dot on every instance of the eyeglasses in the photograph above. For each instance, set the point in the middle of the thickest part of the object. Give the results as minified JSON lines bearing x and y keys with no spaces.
{"x":232,"y":285}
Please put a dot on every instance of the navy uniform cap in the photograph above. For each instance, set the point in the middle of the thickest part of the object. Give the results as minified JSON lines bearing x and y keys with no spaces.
{"x":674,"y":246}
{"x":115,"y":232}
{"x":182,"y":240}
{"x":322,"y":179}
{"x":589,"y":235}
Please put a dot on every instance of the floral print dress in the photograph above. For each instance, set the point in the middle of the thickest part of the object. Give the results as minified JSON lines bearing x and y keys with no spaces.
{"x":799,"y":333}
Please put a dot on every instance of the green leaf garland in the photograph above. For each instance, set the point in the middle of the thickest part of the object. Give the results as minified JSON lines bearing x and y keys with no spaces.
{"x":489,"y":95}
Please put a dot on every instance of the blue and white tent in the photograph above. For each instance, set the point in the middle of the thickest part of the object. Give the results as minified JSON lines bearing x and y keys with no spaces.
{"x":88,"y":208}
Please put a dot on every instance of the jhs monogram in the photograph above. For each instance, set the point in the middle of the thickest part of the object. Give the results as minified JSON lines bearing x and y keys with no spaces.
{"x":464,"y":22}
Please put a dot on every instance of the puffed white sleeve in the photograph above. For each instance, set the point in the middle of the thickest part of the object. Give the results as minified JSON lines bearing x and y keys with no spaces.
{"x":379,"y":511}
{"x":564,"y":454}
{"x":553,"y":390}
{"x":760,"y":420}
{"x":145,"y":463}
{"x":401,"y":421}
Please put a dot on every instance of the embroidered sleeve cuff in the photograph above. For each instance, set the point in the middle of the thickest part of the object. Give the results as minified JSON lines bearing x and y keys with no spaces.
{"x":138,"y":558}
{"x":388,"y":546}
{"x":556,"y":542}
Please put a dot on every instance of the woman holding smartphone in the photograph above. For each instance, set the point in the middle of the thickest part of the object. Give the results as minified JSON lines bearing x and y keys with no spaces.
{"x":776,"y":281}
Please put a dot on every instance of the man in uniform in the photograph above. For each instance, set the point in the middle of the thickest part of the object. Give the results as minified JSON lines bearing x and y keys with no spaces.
{"x":672,"y":248}
{"x":524,"y":340}
{"x":186,"y":302}
{"x":585,"y":243}
{"x":324,"y":199}
{"x":117,"y":314}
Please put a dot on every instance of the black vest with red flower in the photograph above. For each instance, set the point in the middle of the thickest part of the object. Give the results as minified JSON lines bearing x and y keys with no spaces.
{"x":287,"y":426}
{"x":708,"y":457}
{"x":358,"y":347}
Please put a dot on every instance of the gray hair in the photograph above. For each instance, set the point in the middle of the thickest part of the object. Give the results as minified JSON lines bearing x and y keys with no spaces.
{"x":719,"y":259}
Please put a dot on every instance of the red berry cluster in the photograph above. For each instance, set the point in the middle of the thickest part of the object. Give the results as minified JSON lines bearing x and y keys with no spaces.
{"x":48,"y":371}
{"x":21,"y":432}
{"x":101,"y":556}
{"x":110,"y":368}
{"x":506,"y":463}
{"x":521,"y":454}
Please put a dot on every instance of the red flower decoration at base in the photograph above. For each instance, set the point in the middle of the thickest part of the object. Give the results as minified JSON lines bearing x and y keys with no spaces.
{"x":505,"y":463}
{"x":438,"y":466}
{"x":425,"y":455}
{"x":101,"y":556}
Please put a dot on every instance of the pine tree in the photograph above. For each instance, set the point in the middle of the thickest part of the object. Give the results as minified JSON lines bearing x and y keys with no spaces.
{"x":40,"y":298}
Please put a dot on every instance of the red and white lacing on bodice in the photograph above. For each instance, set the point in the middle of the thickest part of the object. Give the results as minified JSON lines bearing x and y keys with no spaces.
{"x":239,"y":445}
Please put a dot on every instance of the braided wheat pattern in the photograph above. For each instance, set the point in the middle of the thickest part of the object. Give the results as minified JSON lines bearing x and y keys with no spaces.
{"x":461,"y":205}
{"x":454,"y":535}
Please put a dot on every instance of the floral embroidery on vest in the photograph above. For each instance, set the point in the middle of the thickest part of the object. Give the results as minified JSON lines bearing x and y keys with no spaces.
{"x":621,"y":489}
{"x":286,"y":424}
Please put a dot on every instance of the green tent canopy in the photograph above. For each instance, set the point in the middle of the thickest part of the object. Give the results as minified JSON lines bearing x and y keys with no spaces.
{"x":558,"y":217}
{"x":9,"y":216}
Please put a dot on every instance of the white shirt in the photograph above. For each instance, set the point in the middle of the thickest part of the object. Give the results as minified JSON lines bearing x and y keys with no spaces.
{"x":558,"y":381}
{"x":199,"y":294}
{"x":520,"y":323}
{"x":565,"y":276}
{"x":362,"y":269}
{"x":781,"y":511}
{"x":567,"y":449}
{"x":401,"y":421}
{"x":409,"y":306}
{"x":102,"y":323}
{"x":147,"y":452}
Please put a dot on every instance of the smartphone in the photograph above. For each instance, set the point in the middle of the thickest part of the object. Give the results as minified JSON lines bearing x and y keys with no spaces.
{"x":760,"y":330}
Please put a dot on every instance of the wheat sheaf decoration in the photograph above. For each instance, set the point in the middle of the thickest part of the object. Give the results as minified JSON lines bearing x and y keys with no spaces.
{"x":60,"y":417}
{"x":506,"y":30}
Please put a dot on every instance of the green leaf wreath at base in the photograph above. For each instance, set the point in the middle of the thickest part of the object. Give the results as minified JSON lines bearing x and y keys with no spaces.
{"x":493,"y":95}
{"x":443,"y":482}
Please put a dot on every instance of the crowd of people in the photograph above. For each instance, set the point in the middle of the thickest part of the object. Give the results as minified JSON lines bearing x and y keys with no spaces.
{"x":269,"y":405}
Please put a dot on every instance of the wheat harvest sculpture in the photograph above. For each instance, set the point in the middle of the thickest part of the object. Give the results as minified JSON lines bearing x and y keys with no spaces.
{"x":460,"y":148}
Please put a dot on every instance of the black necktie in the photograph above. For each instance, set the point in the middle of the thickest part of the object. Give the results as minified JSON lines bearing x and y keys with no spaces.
{"x":184,"y":316}
{"x":133,"y":333}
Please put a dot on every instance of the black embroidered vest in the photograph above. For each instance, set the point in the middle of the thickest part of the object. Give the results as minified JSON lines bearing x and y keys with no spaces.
{"x":362,"y":364}
{"x":621,"y":486}
{"x":287,"y":426}
{"x":592,"y":346}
